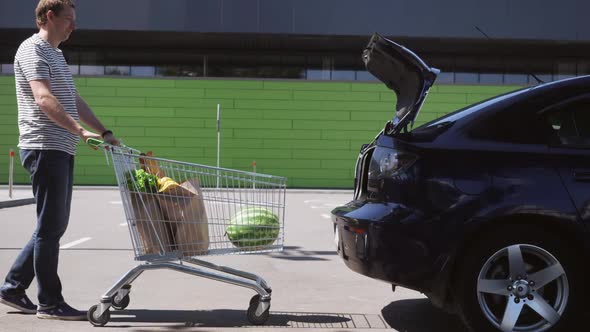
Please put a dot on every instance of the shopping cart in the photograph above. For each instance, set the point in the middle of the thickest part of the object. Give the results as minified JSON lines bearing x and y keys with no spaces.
{"x":178,"y":211}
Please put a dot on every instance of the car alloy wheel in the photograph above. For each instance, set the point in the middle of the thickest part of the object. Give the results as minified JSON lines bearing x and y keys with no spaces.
{"x":523,"y":287}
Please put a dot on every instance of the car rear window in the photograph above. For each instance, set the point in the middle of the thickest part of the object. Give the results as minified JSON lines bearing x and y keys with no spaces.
{"x":463,"y":112}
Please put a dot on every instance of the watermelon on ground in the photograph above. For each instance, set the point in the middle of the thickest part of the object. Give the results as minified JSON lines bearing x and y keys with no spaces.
{"x":253,"y":228}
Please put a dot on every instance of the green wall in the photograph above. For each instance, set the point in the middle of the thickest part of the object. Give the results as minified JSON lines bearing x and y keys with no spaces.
{"x":309,"y":132}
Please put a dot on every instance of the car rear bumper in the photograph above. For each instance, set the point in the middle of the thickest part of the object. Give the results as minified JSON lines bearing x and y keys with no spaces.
{"x":389,"y":242}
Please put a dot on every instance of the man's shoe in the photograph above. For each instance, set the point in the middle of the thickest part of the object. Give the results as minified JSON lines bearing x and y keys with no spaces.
{"x":61,"y":311}
{"x":20,"y":302}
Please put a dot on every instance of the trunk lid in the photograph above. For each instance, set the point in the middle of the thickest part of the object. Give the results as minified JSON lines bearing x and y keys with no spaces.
{"x":403,"y":72}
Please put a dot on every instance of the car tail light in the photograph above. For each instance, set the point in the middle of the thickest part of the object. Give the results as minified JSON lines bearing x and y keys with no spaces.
{"x":357,"y":230}
{"x":390,"y":164}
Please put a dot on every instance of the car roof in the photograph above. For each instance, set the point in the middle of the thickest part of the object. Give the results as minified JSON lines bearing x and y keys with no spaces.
{"x":543,"y":93}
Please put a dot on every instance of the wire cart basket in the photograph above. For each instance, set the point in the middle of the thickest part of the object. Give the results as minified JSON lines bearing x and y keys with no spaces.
{"x":177,"y":211}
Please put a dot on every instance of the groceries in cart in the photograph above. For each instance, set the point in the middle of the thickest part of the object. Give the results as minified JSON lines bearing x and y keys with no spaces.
{"x":173,"y":216}
{"x":253,"y":227}
{"x":177,"y":211}
{"x":169,"y":216}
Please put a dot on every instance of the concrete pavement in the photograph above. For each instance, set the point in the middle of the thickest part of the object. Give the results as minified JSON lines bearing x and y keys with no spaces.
{"x":312,"y":288}
{"x":21,"y":195}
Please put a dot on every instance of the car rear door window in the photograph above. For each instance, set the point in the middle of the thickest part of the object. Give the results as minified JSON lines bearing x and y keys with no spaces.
{"x":571,"y":124}
{"x":517,"y":124}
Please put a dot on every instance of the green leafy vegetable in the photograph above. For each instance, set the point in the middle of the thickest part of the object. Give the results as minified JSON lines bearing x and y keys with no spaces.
{"x":140,"y":180}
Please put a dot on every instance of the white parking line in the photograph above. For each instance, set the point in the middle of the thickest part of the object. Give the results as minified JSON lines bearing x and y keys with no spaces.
{"x":358,"y":299}
{"x":327,"y":216}
{"x":75,"y":243}
{"x":321,"y":204}
{"x":116,"y":202}
{"x":123,"y":224}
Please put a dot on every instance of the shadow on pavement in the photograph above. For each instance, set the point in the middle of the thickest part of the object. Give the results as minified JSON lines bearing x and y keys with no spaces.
{"x":296,"y":253}
{"x":419,"y":315}
{"x":226,"y":318}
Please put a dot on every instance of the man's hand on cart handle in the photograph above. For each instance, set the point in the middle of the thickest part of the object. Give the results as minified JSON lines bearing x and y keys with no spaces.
{"x":94,"y":143}
{"x":87,"y":135}
{"x":110,"y":138}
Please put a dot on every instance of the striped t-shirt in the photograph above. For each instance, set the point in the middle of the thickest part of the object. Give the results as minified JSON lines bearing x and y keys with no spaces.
{"x":36,"y":59}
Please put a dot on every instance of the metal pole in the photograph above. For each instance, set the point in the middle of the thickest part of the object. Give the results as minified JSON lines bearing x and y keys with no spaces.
{"x":254,"y":170}
{"x":10,"y":173}
{"x":218,"y":140}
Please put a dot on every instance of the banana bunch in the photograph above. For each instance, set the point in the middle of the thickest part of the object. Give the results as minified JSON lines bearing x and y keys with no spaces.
{"x":165,"y":183}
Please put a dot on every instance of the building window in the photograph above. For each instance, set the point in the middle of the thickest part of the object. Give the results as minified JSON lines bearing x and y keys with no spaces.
{"x":486,"y":78}
{"x":516,"y":79}
{"x":7,"y":68}
{"x":74,"y":69}
{"x":143,"y":71}
{"x":92,"y":70}
{"x":466,"y":78}
{"x":319,"y":68}
{"x":446,"y":78}
{"x":117,"y":70}
{"x":543,"y":78}
{"x":363,"y":75}
{"x":317,"y":74}
{"x":180,"y":71}
{"x":343,"y":75}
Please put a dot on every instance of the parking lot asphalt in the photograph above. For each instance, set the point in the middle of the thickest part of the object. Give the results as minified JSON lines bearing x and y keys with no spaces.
{"x":312,"y":288}
{"x":19,"y":196}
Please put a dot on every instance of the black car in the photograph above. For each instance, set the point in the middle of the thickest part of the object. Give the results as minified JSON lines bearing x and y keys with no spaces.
{"x":484,"y":210}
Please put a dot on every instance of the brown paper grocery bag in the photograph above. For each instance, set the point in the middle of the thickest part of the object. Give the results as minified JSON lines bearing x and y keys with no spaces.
{"x":150,"y":165}
{"x":150,"y":224}
{"x":184,"y":207}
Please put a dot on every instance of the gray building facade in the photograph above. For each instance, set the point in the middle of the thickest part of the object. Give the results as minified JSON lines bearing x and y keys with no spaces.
{"x":305,"y":38}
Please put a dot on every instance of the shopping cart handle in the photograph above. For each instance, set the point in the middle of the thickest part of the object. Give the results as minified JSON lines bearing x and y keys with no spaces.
{"x":121,"y":147}
{"x":94,"y":142}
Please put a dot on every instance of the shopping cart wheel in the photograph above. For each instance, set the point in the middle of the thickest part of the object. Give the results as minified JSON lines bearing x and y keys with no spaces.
{"x":254,"y":300}
{"x":96,"y":320}
{"x":120,"y":305}
{"x":252,"y":317}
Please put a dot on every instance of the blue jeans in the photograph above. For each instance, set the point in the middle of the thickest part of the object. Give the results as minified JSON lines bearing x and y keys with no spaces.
{"x":52,"y":174}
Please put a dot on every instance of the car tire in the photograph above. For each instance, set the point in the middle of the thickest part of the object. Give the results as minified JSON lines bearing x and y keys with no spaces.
{"x":486,"y":268}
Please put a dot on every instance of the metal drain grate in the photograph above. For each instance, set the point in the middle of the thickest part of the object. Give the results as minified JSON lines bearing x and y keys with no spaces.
{"x":325,"y":320}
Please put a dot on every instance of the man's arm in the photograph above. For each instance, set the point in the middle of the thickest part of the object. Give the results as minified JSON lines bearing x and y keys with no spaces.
{"x":88,"y":118}
{"x":55,"y":111}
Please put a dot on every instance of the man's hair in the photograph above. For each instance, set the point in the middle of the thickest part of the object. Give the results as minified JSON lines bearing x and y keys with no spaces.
{"x":55,"y":6}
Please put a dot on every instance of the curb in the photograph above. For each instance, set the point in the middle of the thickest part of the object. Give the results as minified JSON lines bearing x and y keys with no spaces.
{"x":16,"y":202}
